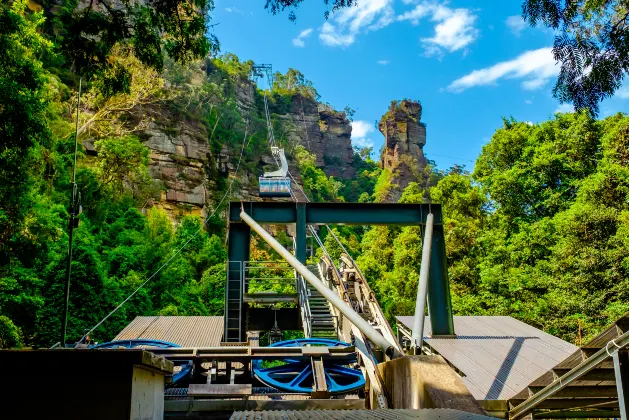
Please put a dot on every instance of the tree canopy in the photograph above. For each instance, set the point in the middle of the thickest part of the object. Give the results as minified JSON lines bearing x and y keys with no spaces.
{"x":591,"y":46}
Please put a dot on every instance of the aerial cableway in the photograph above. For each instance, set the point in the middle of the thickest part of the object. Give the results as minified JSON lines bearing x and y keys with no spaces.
{"x":346,"y":335}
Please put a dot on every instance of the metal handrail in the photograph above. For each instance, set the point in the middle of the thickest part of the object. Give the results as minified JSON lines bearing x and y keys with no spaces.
{"x":248,"y":267}
{"x":304,"y":304}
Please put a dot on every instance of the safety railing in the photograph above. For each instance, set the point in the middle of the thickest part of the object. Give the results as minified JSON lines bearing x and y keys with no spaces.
{"x":267,"y":276}
{"x":304,"y":305}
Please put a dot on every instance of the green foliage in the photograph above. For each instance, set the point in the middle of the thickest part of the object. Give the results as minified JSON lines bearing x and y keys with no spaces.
{"x":363,"y":183}
{"x":9,"y":334}
{"x":317,"y":185}
{"x":591,"y":47}
{"x":87,"y":34}
{"x":384,"y":186}
{"x":292,"y":83}
{"x":23,"y":102}
{"x":538,"y":232}
{"x":122,"y":163}
{"x":277,"y":6}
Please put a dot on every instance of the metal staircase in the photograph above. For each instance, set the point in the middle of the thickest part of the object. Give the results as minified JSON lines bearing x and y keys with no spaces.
{"x":323,"y":323}
{"x":317,"y":317}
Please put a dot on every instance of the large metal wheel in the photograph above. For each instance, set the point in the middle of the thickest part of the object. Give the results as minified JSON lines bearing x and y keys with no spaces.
{"x":181,"y":369}
{"x":296,"y":375}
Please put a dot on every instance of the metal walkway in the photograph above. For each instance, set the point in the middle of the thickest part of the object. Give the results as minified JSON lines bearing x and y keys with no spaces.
{"x":322,"y":323}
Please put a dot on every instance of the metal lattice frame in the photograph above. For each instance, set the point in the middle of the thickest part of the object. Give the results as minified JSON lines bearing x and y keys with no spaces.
{"x":304,"y":214}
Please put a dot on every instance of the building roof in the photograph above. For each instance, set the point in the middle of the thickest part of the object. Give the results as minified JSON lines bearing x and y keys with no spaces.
{"x":187,"y":331}
{"x":498,"y":356}
{"x":380,"y":414}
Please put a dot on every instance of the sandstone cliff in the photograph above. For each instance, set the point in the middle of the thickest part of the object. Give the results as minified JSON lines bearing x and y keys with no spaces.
{"x":405,"y":137}
{"x":324,"y":132}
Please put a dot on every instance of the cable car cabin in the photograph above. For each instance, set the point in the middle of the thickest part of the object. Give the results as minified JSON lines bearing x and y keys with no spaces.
{"x":275,"y":187}
{"x":276,"y":183}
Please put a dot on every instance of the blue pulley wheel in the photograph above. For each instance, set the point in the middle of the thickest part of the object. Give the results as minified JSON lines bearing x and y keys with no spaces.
{"x":181,"y":369}
{"x":294,"y":375}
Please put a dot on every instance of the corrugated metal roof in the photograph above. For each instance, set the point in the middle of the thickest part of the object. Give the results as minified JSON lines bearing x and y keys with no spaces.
{"x":423,"y":414}
{"x":498,"y":355}
{"x":187,"y":331}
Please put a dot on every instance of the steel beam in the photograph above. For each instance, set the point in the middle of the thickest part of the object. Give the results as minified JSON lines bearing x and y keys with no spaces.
{"x":422,"y":289}
{"x":621,"y":369}
{"x":300,"y":236}
{"x":337,"y":213}
{"x":574,"y":374}
{"x":239,"y":237}
{"x":439,"y":301}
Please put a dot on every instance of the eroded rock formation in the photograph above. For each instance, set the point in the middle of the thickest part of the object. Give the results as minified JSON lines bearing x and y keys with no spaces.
{"x":324,"y":132}
{"x":405,"y":137}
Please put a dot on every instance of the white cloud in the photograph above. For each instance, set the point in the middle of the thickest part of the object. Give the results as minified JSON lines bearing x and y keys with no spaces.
{"x":360,"y":133}
{"x":623,"y":92}
{"x":516,"y":24}
{"x":528,"y":102}
{"x":367,"y":15}
{"x":383,"y":62}
{"x":563,"y":108}
{"x":299,"y":40}
{"x":305,"y":33}
{"x":233,"y":10}
{"x":535,"y":66}
{"x":454,"y":29}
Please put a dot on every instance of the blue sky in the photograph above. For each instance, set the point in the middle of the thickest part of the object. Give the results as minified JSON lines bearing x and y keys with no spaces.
{"x":468,"y":62}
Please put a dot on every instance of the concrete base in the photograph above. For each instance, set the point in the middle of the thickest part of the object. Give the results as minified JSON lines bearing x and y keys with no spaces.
{"x":81,"y":384}
{"x":426,"y":382}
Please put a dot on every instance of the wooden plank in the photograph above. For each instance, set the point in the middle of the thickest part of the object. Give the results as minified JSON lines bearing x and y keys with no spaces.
{"x":319,"y":387}
{"x":219,"y":390}
{"x":571,"y":403}
{"x":605,"y":374}
{"x":315,"y":351}
{"x":581,"y":391}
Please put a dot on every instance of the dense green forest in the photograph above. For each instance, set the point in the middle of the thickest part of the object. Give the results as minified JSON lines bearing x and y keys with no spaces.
{"x":539,"y":230}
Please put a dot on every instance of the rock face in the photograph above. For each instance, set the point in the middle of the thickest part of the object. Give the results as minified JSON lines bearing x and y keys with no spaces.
{"x":405,"y":137}
{"x":190,"y":173}
{"x":336,"y":133}
{"x":181,"y":160}
{"x":179,"y":156}
{"x":324,"y":132}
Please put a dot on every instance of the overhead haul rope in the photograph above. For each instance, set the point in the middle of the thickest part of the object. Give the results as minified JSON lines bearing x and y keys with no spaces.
{"x":327,"y":226}
{"x":303,"y":120}
{"x":271,"y":139}
{"x":242,"y":150}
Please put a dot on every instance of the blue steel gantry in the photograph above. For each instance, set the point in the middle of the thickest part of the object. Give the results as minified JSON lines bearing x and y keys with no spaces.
{"x":303,"y":214}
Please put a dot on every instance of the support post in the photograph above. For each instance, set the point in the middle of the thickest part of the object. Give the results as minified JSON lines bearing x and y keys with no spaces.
{"x":74,"y":212}
{"x":239,"y":238}
{"x":439,"y":302}
{"x":422,"y":288}
{"x":369,"y":331}
{"x":621,"y":369}
{"x":300,"y":233}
